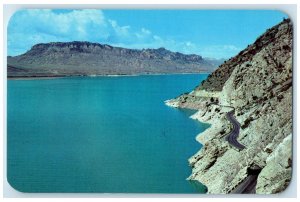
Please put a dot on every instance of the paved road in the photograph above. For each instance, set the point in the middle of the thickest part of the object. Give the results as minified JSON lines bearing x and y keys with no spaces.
{"x":232,"y":136}
{"x":249,"y":183}
{"x":247,"y":186}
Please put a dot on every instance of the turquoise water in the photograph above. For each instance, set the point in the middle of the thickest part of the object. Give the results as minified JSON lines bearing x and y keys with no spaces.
{"x":102,"y":134}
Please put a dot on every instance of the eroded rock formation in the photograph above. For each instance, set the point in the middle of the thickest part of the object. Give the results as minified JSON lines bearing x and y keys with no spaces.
{"x":257,"y":83}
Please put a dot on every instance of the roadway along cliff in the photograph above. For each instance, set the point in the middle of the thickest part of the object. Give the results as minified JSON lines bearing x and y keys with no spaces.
{"x":233,"y":135}
{"x":257,"y":84}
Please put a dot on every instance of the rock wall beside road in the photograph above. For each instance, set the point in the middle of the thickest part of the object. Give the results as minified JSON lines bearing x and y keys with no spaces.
{"x":258,"y":84}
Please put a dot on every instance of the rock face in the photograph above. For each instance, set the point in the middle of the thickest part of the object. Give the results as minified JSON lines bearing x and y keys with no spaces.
{"x":84,"y":58}
{"x":258,"y":84}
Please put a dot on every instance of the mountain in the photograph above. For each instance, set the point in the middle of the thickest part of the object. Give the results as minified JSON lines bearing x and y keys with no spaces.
{"x":85,"y":58}
{"x":215,"y":62}
{"x":248,"y":102}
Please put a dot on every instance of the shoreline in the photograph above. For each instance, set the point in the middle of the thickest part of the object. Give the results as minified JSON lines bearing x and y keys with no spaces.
{"x":211,"y":165}
{"x":94,"y":76}
{"x":35,"y":78}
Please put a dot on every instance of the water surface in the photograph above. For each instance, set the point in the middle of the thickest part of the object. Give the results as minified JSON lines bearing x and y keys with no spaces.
{"x":102,"y":134}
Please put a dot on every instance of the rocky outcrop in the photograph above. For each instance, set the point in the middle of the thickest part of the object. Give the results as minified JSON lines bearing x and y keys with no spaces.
{"x":276,"y":175}
{"x":85,"y":58}
{"x":257,"y":83}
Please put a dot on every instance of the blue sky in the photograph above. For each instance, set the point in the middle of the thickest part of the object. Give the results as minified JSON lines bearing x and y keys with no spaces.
{"x":209,"y":33}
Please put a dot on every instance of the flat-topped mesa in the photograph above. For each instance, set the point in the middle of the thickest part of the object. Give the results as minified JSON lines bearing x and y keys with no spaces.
{"x":89,"y":47}
{"x":257,"y":83}
{"x":86,"y":58}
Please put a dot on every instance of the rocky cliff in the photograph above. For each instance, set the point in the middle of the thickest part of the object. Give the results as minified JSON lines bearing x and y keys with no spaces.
{"x":257,"y":84}
{"x":85,"y":58}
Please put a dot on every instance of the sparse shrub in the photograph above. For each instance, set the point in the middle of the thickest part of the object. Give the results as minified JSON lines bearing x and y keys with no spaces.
{"x":279,"y":97}
{"x":247,"y":122}
{"x":286,"y":47}
{"x":222,"y":132}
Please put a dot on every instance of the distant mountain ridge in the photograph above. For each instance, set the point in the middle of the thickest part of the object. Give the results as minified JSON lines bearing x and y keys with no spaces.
{"x":86,"y":58}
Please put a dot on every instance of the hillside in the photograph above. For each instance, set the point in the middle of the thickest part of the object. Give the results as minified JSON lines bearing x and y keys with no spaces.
{"x":256,"y":86}
{"x":85,"y":58}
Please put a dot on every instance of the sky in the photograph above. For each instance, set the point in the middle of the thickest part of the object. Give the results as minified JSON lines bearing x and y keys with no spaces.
{"x":209,"y":33}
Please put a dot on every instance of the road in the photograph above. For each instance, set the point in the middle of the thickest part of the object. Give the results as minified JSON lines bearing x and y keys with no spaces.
{"x":247,"y":186}
{"x":249,"y":183}
{"x":232,"y":136}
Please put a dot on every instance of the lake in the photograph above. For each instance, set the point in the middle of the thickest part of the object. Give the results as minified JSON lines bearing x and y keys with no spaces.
{"x":101,"y":134}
